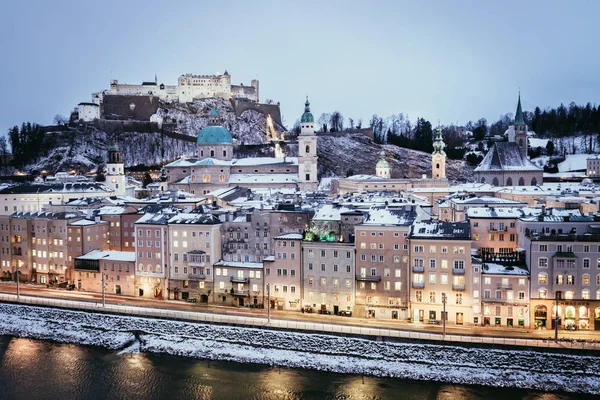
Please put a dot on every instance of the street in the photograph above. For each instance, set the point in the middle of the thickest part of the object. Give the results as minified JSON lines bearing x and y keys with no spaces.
{"x":38,"y":291}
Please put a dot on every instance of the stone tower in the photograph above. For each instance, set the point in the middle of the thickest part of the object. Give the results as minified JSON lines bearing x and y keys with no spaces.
{"x":115,"y":171}
{"x":521,"y":130}
{"x":438,"y":157}
{"x":307,"y":151}
{"x":382,"y":169}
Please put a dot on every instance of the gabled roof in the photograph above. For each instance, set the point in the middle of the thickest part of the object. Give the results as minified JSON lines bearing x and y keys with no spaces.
{"x":441,"y":230}
{"x":505,"y":156}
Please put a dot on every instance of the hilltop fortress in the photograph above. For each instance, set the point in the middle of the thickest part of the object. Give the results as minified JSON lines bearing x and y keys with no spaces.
{"x":189,"y":87}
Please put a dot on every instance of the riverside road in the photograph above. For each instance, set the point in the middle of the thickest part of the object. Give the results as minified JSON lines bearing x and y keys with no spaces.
{"x":42,"y":292}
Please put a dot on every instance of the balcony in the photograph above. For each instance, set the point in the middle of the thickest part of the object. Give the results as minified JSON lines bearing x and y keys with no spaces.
{"x":505,"y":286}
{"x":418,"y":268}
{"x":236,"y":279}
{"x":458,"y":286}
{"x":418,"y":285}
{"x":368,"y":278}
{"x":197,"y":276}
{"x":497,"y":229}
{"x":458,"y":271}
{"x":241,"y":293}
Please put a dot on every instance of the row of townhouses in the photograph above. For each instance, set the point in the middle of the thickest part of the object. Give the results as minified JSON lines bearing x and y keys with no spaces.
{"x":505,"y":265}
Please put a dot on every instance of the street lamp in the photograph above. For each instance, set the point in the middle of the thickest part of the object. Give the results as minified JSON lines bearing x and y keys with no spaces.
{"x":444,"y":298}
{"x":556,"y":297}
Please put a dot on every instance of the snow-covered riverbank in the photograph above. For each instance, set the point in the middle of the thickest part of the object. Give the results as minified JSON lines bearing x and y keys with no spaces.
{"x":492,"y":367}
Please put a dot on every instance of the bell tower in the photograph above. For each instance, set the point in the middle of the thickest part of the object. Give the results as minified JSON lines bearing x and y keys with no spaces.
{"x":307,"y":151}
{"x":115,"y":171}
{"x":438,"y":157}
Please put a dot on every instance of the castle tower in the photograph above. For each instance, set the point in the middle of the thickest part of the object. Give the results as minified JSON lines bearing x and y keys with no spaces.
{"x":382,"y":169}
{"x":521,"y":130}
{"x":307,"y":151}
{"x":438,"y":157}
{"x":115,"y":171}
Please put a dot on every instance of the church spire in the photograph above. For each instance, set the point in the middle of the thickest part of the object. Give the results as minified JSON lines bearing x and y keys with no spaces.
{"x":519,"y":115}
{"x":438,"y":143}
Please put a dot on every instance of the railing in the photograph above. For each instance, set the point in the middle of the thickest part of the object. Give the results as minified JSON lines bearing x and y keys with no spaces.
{"x":368,"y":278}
{"x":242,"y":293}
{"x":497,"y":229}
{"x":564,"y":237}
{"x":236,"y":279}
{"x":196,"y":276}
{"x":458,"y":271}
{"x":505,"y":286}
{"x":418,"y":285}
{"x":418,"y":268}
{"x":457,"y":286}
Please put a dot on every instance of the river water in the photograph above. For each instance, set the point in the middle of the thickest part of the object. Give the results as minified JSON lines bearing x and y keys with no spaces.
{"x":33,"y":369}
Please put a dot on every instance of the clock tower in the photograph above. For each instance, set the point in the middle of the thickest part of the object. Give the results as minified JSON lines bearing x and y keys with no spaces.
{"x":438,"y":157}
{"x":307,"y":151}
{"x":115,"y":171}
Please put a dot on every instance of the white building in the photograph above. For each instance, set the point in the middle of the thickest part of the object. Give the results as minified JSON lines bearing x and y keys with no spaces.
{"x":307,"y":151}
{"x":88,"y":111}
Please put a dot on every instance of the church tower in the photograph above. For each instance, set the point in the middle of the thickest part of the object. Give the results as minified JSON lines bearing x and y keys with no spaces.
{"x":115,"y":171}
{"x":521,"y":130}
{"x":438,"y":157}
{"x":307,"y":151}
{"x":382,"y":169}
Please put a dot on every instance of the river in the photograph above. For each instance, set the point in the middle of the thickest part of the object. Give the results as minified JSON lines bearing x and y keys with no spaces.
{"x":33,"y":369}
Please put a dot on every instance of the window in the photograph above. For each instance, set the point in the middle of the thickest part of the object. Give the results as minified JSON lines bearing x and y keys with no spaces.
{"x":432,"y":278}
{"x":542,"y":279}
{"x":432,"y":263}
{"x":542,"y":262}
{"x":418,"y":296}
{"x":432,"y":297}
{"x":418,"y":249}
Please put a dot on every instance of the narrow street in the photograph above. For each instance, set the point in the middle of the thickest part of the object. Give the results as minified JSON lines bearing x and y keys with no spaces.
{"x":34,"y":290}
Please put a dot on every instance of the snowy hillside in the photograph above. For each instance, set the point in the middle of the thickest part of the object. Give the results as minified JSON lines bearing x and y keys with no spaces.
{"x":356,"y":153}
{"x":248,"y":128}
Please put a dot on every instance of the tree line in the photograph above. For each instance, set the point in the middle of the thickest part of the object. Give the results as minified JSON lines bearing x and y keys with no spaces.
{"x":26,"y":143}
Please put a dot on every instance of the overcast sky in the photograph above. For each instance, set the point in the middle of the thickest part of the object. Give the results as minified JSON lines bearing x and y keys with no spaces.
{"x":451,"y":61}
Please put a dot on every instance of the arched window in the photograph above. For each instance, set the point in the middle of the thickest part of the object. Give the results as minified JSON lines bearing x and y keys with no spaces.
{"x":533,"y":181}
{"x":140,"y":267}
{"x":483,"y":180}
{"x":521,"y":181}
{"x":212,"y":153}
{"x":509,"y":182}
{"x":157,"y":269}
{"x":224,"y":153}
{"x":437,"y":165}
{"x":520,"y":142}
{"x":495,"y":182}
{"x":201,"y":153}
{"x":307,"y":149}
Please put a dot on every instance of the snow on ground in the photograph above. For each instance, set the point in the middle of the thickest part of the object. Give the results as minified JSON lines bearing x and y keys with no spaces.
{"x":536,"y":142}
{"x":523,"y":369}
{"x":574,"y":162}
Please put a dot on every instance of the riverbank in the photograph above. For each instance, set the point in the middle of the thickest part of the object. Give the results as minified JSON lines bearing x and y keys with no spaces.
{"x":543,"y":371}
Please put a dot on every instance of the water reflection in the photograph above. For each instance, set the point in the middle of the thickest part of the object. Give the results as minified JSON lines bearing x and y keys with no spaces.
{"x":41,"y":370}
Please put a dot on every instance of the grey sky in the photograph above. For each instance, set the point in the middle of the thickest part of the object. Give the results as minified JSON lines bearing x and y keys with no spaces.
{"x":451,"y":61}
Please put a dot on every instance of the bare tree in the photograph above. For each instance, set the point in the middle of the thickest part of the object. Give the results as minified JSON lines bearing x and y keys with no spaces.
{"x":324,"y":121}
{"x":336,"y":121}
{"x":351,"y":122}
{"x":60,"y":120}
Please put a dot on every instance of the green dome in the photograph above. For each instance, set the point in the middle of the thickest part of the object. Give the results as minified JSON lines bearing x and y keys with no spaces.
{"x":113,"y":147}
{"x":307,"y":116}
{"x":213,"y":134}
{"x":382,"y":163}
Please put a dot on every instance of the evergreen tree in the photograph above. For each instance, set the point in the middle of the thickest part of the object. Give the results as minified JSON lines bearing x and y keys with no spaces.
{"x":147,"y":180}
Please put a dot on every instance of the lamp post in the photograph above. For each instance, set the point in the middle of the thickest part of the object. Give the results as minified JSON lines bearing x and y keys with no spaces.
{"x":444,"y":297}
{"x":268,"y":304}
{"x":18,"y":290}
{"x":556,"y":297}
{"x":103,"y":298}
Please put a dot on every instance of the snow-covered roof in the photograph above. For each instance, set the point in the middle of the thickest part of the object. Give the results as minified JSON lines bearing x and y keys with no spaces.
{"x":154,"y":219}
{"x":365,"y":177}
{"x":86,"y":222}
{"x":238,"y":264}
{"x":290,"y":236}
{"x":441,"y":230}
{"x":505,"y":156}
{"x":193,"y":162}
{"x":191,"y":218}
{"x":494,"y":212}
{"x":330,"y":212}
{"x":112,"y":210}
{"x":381,"y":215}
{"x":484,"y":200}
{"x":499,"y":269}
{"x":256,"y":161}
{"x":126,"y":256}
{"x":240,"y":179}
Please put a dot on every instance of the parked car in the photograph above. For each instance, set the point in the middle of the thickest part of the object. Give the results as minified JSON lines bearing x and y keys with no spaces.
{"x":345,"y":313}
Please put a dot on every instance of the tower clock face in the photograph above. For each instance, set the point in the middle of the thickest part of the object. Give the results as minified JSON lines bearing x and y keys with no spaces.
{"x":437,"y":157}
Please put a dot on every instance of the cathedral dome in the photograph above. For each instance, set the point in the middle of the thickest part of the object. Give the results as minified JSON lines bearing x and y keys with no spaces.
{"x":382,"y":163}
{"x":212,"y":134}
